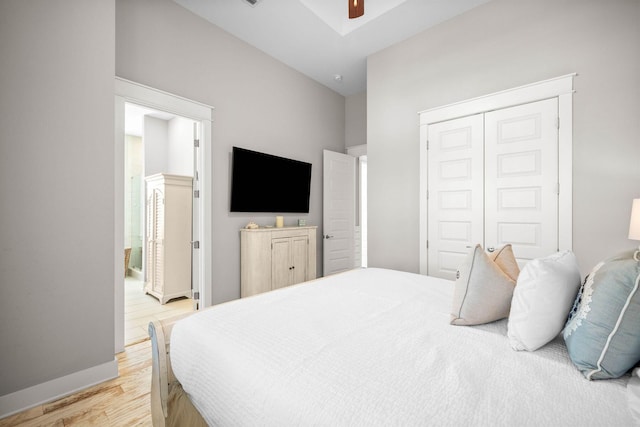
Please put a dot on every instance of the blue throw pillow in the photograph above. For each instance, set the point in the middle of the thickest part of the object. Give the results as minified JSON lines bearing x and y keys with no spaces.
{"x":603,"y":330}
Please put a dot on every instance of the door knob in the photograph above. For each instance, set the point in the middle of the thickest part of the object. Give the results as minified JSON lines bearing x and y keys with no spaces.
{"x":326,"y":236}
{"x":491,"y":249}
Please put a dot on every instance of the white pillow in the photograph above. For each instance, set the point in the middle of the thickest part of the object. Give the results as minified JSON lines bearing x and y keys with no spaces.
{"x":542,"y":300}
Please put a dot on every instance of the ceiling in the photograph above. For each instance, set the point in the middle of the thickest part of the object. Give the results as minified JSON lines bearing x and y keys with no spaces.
{"x":134,"y":118}
{"x":316,"y":37}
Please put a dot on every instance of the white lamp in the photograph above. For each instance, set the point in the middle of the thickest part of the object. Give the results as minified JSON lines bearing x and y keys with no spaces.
{"x":634,"y":225}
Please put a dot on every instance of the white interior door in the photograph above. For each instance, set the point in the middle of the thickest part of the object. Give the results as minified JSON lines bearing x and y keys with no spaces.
{"x":455,"y":196}
{"x":339,"y":203}
{"x":521,"y":192}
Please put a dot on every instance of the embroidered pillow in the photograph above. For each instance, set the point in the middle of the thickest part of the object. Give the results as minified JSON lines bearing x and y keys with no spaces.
{"x":603,"y":330}
{"x":542,"y":299}
{"x":482,"y":291}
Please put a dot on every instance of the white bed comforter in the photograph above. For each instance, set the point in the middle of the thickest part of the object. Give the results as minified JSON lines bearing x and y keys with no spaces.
{"x":375,"y":347}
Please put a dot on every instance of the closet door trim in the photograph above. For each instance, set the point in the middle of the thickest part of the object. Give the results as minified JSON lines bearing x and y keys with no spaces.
{"x":559,"y":87}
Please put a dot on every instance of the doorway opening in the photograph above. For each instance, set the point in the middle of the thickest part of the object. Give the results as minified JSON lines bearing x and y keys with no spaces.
{"x":160,"y":102}
{"x":344,"y":211}
{"x":361,"y":253}
{"x":362,"y":210}
{"x":156,"y":143}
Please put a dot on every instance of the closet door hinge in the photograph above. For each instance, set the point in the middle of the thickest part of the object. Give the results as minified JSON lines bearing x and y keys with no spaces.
{"x":196,"y":194}
{"x":427,"y":144}
{"x":195,"y":244}
{"x":427,"y":244}
{"x":558,"y":188}
{"x":557,"y":122}
{"x":196,"y":143}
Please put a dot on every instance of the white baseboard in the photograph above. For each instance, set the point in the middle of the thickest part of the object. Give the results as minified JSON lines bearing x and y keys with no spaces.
{"x":29,"y":397}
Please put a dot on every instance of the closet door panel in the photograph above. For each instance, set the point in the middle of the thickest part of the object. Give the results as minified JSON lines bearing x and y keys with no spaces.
{"x":455,"y":203}
{"x":521,"y":179}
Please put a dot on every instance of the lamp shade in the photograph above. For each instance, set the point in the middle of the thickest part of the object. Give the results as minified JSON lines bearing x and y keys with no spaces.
{"x":634,"y":226}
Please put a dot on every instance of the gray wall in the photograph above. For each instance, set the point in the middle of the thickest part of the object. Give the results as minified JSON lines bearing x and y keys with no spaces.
{"x":155,"y":140}
{"x":501,"y":45}
{"x":355,"y":132}
{"x":56,"y":187}
{"x":260,"y":104}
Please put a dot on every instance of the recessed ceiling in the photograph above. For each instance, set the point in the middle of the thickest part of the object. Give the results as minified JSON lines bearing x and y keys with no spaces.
{"x":334,"y":13}
{"x":316,"y":37}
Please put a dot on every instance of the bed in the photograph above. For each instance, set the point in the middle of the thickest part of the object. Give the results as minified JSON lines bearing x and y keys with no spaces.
{"x":366,"y":347}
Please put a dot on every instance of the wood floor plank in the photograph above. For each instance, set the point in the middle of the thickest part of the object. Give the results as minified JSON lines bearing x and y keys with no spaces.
{"x":122,"y":401}
{"x":22,"y":417}
{"x":135,"y":412}
{"x":140,"y":308}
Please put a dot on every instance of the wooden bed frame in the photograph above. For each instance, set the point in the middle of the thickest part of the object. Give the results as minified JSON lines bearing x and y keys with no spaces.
{"x":170,"y":405}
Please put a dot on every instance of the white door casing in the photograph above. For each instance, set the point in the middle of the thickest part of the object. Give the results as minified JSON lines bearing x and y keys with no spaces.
{"x":521,"y":179}
{"x":128,"y":91}
{"x":195,"y":218}
{"x":561,"y":89}
{"x":456,"y":173}
{"x":338,"y":212}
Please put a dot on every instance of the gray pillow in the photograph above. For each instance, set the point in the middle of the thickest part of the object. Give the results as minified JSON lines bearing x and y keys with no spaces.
{"x":603,"y":330}
{"x":482,"y":291}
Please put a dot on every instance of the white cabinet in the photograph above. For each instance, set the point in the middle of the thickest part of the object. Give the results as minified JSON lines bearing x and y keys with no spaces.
{"x":272,"y":258}
{"x":168,"y":234}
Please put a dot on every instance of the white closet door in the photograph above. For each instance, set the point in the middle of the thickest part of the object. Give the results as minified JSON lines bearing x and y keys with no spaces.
{"x":455,"y":204}
{"x":521,"y":179}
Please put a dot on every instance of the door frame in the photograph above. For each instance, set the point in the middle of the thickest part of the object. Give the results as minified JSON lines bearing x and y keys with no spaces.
{"x":360,"y":153}
{"x":558,"y":87}
{"x":129,"y":91}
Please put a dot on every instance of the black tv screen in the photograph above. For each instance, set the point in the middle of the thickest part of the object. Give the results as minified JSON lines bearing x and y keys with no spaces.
{"x":265,"y":183}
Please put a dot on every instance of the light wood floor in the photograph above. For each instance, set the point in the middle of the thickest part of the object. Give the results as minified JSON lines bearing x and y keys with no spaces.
{"x":123,"y":401}
{"x":139,"y":308}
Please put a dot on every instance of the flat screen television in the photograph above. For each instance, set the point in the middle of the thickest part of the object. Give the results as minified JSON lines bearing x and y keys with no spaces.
{"x":266,"y":183}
